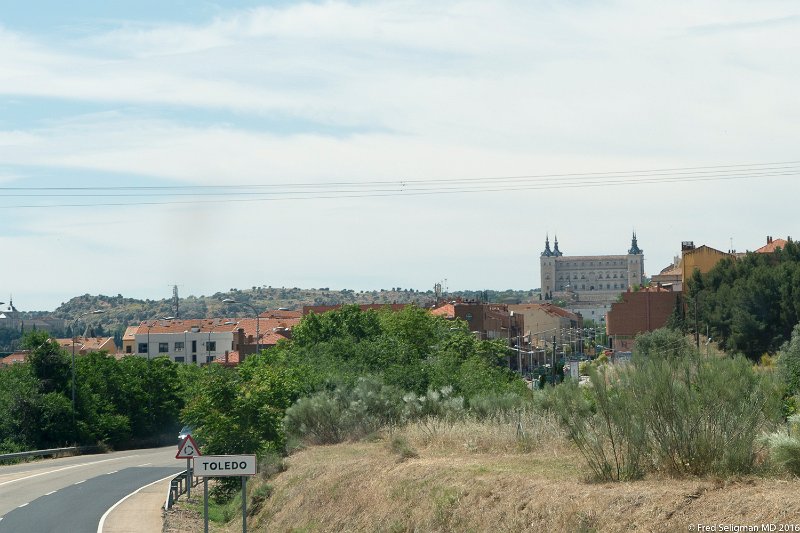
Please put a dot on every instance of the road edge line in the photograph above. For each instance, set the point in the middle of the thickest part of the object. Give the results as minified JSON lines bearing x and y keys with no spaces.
{"x":110,"y":509}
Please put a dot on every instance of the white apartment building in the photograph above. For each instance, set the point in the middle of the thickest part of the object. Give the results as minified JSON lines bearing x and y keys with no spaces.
{"x":201,"y":341}
{"x":196,"y":341}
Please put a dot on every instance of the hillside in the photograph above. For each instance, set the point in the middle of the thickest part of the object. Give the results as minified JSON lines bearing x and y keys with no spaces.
{"x":121,"y":311}
{"x":465,"y":480}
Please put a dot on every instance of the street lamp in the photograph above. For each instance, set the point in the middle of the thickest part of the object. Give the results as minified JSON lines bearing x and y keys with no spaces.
{"x":208,"y":344}
{"x":75,"y":323}
{"x":153,"y":320}
{"x":258,"y":337}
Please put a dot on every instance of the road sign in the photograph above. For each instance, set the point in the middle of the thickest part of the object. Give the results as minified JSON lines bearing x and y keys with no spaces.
{"x":225,"y":465}
{"x":188,"y":449}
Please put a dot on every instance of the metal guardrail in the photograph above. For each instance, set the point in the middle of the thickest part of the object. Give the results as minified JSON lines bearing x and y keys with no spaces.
{"x":37,"y":453}
{"x":177,"y":487}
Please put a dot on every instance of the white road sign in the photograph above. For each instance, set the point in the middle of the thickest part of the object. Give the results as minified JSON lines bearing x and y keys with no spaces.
{"x":225,"y":465}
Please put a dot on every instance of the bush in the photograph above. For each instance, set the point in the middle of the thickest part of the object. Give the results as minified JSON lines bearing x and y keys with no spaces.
{"x":329,"y":417}
{"x":784,"y":450}
{"x":600,"y":421}
{"x":682,"y":414}
{"x":494,"y":405}
{"x":400,"y":446}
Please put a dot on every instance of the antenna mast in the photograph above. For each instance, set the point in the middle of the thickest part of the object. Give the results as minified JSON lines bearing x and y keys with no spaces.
{"x":175,"y":301}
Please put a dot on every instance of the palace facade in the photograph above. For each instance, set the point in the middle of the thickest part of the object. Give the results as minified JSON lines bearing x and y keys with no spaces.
{"x":596,"y":279}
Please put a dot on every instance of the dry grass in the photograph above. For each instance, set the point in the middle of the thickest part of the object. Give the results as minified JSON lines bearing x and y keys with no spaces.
{"x":520,"y":433}
{"x":473,"y":476}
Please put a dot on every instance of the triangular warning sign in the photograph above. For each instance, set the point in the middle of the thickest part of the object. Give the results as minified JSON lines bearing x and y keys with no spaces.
{"x":188,"y":449}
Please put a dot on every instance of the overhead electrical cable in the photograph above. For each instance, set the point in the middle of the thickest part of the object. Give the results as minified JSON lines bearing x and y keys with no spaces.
{"x":199,"y":194}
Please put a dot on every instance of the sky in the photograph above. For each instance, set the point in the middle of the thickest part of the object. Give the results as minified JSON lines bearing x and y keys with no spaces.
{"x":369,"y":145}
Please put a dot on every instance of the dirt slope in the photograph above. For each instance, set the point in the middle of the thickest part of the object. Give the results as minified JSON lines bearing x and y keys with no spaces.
{"x":367,"y":487}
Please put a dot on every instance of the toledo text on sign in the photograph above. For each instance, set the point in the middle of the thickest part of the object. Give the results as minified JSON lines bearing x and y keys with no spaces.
{"x":225,"y":465}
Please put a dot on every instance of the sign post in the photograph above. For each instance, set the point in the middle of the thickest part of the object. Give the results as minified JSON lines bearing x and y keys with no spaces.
{"x":205,"y":505}
{"x":187,"y":450}
{"x":225,"y":466}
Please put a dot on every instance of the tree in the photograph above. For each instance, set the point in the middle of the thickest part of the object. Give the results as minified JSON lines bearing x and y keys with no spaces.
{"x":789,"y":363}
{"x":49,"y":364}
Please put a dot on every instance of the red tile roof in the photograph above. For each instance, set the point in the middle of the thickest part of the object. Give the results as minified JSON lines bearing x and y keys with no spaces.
{"x":89,"y":344}
{"x":204,"y":325}
{"x":230,"y":359}
{"x":771,"y":246}
{"x":446,"y":310}
{"x":548,"y":308}
{"x":266,"y":326}
{"x":16,"y":357}
{"x":130,"y":333}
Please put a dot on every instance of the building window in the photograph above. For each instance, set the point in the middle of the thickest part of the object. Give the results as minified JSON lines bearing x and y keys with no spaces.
{"x":128,"y":349}
{"x":211,"y":346}
{"x":194,"y":346}
{"x":179,"y":346}
{"x":210,"y":358}
{"x":179,"y":359}
{"x":163,"y":347}
{"x":142,"y":347}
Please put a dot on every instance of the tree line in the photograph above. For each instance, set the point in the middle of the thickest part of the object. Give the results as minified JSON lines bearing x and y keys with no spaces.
{"x":749,"y":305}
{"x":117,"y":403}
{"x":134,"y":401}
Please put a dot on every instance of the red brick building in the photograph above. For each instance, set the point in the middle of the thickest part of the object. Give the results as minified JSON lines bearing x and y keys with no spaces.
{"x":638,"y":312}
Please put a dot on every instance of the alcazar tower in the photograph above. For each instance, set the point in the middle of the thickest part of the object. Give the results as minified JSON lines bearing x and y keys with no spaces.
{"x":589,"y":278}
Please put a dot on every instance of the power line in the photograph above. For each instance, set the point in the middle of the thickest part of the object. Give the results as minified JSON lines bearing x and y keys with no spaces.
{"x":415,"y":187}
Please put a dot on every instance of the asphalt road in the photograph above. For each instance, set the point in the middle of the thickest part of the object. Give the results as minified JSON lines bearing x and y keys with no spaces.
{"x":71,"y":494}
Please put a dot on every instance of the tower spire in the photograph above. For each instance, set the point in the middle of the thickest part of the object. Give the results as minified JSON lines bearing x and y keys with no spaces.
{"x":547,"y":252}
{"x":635,"y":250}
{"x":556,"y":251}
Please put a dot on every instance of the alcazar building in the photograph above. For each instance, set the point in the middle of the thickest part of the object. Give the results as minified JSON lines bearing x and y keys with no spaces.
{"x":589,"y":278}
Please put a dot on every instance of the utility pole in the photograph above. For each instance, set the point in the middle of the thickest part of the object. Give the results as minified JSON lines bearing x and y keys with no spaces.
{"x":553,"y":370}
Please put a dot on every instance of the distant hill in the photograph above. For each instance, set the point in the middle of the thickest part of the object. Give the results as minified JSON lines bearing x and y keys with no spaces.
{"x":121,"y":312}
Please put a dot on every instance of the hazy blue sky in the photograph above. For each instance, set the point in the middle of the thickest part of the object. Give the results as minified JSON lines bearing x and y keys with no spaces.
{"x":362,"y":145}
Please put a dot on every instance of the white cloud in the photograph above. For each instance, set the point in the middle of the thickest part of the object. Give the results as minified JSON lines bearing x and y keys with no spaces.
{"x":389,"y":90}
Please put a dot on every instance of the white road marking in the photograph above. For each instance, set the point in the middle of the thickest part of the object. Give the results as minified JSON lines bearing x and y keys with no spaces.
{"x":146,"y":464}
{"x":51,"y":492}
{"x":113,"y":472}
{"x":79,"y":482}
{"x":66,"y":468}
{"x":23,"y":505}
{"x":110,"y":509}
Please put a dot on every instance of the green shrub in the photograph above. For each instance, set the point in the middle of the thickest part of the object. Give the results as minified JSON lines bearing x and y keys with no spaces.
{"x":400,"y":446}
{"x":316,"y":419}
{"x":601,"y":422}
{"x":270,"y":464}
{"x":672,"y":412}
{"x":329,"y":417}
{"x":784,"y":450}
{"x":487,"y":406}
